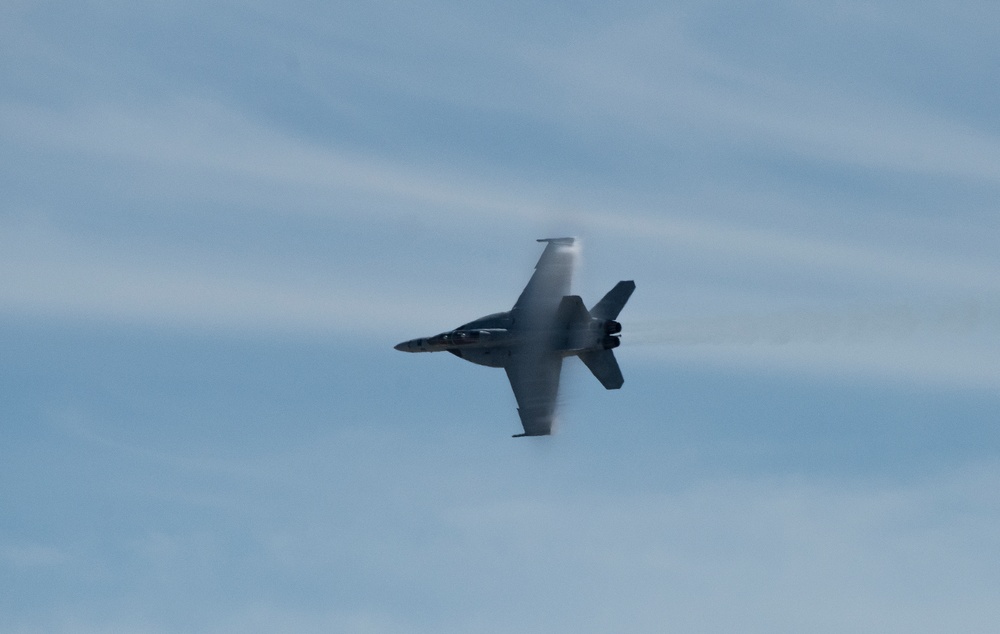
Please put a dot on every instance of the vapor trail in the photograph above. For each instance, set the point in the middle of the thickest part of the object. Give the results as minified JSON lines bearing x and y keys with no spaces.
{"x":854,"y":326}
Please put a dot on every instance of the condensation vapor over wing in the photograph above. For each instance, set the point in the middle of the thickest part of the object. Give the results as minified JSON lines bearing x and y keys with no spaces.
{"x":550,"y":282}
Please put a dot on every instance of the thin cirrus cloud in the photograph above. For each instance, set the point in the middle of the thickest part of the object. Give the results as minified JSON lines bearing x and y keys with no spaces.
{"x":353,"y":172}
{"x":653,"y":76}
{"x":55,"y":274}
{"x":195,"y":135}
{"x":202,"y":136}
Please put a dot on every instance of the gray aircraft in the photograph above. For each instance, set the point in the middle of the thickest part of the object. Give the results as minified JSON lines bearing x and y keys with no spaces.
{"x":530,"y":341}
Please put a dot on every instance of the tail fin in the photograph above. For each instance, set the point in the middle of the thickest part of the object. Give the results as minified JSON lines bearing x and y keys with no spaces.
{"x":605,"y":367}
{"x":602,"y":362}
{"x":612,"y":303}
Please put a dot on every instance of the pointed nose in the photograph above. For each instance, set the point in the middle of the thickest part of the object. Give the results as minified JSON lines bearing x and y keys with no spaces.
{"x":413,"y":345}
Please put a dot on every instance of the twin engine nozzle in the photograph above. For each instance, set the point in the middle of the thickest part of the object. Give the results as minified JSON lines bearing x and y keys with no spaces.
{"x":611,"y":328}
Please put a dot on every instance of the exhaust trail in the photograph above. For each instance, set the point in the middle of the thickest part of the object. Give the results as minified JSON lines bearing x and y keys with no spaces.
{"x":820,"y":326}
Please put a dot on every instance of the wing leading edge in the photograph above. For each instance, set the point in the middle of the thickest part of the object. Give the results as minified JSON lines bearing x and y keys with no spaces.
{"x":534,"y":368}
{"x":552,"y":277}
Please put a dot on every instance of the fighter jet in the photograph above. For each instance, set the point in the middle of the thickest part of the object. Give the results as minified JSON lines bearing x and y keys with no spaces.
{"x":530,"y":341}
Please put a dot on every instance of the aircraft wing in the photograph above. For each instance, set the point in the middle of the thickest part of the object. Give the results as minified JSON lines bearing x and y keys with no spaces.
{"x":534,"y":377}
{"x":551,"y":279}
{"x":534,"y":368}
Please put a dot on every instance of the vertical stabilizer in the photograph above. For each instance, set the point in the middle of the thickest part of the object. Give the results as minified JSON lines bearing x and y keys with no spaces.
{"x":612,"y":303}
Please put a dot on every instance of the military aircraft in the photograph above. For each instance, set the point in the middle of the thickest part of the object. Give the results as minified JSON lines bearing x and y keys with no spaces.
{"x":531,"y":340}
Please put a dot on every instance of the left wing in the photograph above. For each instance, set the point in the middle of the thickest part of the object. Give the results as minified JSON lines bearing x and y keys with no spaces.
{"x":551,"y":279}
{"x":534,"y":377}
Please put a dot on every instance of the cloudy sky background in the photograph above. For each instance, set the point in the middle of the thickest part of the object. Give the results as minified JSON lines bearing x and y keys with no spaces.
{"x":217,"y":218}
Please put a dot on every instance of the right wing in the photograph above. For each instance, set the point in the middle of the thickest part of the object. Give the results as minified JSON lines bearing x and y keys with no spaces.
{"x":534,"y":377}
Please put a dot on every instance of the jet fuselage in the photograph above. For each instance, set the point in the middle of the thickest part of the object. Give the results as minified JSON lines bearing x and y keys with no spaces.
{"x":493,"y":339}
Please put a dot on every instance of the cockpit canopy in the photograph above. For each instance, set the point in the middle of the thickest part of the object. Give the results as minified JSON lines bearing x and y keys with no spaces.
{"x":455,"y":338}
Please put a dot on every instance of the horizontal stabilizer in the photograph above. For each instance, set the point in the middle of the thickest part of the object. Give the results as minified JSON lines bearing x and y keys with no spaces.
{"x":605,"y":367}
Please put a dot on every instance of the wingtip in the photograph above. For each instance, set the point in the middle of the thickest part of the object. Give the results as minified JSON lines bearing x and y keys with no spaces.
{"x":561,"y":241}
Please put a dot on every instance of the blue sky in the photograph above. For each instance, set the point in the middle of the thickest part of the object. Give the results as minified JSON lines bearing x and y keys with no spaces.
{"x":216,"y":219}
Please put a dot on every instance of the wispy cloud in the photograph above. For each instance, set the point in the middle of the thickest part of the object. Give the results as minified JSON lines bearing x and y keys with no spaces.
{"x":715,"y":555}
{"x":795,"y":188}
{"x":197,"y":136}
{"x":55,"y":272}
{"x":884,"y":551}
{"x":733,"y":550}
{"x":20,"y":554}
{"x":660,"y":75}
{"x":52,"y":273}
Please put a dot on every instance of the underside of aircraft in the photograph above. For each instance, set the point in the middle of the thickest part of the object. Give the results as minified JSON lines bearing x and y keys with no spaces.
{"x":545,"y":325}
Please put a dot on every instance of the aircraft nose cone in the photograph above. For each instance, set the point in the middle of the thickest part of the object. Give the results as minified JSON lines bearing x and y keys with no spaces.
{"x":401,"y":346}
